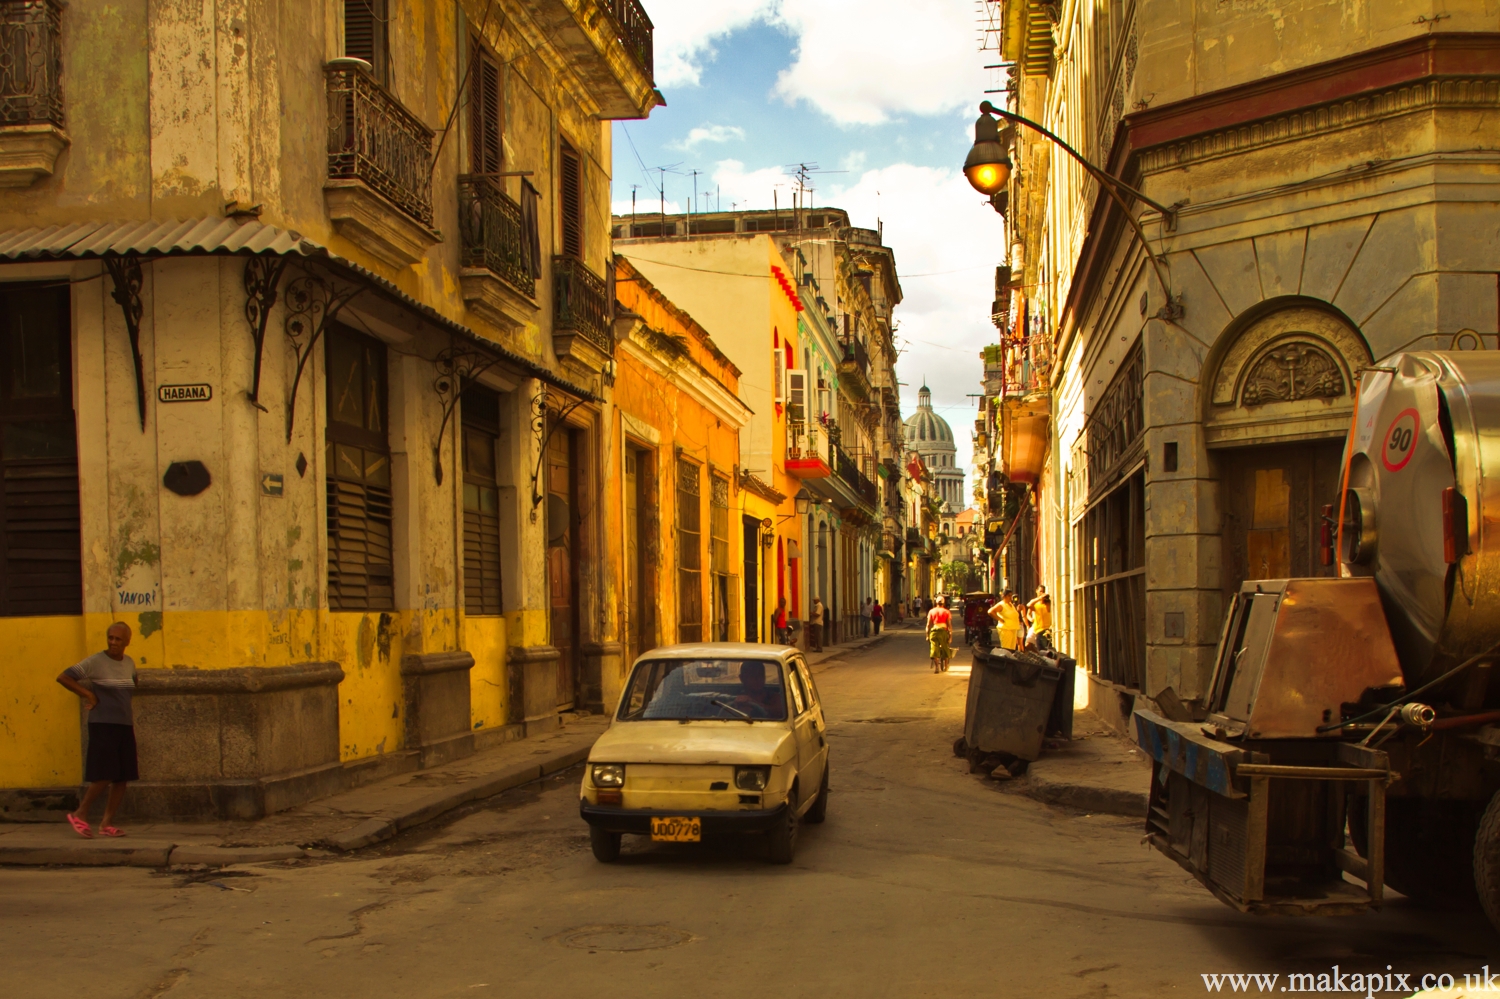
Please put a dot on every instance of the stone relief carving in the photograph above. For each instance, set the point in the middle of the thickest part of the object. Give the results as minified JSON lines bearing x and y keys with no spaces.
{"x":1291,"y":371}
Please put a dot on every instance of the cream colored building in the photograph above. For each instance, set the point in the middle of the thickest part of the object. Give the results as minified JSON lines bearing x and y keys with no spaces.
{"x":316,"y":390}
{"x":1335,"y":174}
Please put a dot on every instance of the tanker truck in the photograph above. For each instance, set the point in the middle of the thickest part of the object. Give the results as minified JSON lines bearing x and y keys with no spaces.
{"x":1352,"y":726}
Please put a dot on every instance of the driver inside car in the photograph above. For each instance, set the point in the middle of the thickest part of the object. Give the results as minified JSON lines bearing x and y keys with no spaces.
{"x":757,"y":698}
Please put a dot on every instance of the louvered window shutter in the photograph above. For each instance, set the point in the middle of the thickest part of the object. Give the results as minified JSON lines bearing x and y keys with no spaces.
{"x":570,"y":201}
{"x":365,"y":34}
{"x":480,"y":431}
{"x":484,"y":111}
{"x":360,"y":574}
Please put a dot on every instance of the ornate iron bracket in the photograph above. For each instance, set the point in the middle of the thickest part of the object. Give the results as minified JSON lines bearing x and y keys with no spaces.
{"x":126,"y":273}
{"x":262,"y":277}
{"x":311,"y":300}
{"x":543,"y":435}
{"x":455,"y":365}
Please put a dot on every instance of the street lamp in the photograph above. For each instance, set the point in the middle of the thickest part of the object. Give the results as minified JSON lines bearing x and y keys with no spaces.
{"x":803,"y":499}
{"x":987,"y":166}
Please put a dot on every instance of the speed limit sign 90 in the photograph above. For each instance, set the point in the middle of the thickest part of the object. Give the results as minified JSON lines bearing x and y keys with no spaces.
{"x":1400,"y":439}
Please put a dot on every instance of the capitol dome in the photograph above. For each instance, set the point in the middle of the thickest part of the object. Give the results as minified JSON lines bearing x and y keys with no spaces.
{"x":924,"y":427}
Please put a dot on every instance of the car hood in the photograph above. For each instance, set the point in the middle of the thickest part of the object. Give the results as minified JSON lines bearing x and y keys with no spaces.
{"x":694,"y":742}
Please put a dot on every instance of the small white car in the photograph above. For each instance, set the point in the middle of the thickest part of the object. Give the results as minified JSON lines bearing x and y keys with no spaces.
{"x":710,"y":739}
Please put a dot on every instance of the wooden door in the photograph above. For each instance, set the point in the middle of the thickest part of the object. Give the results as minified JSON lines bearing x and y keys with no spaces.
{"x":1273,"y":500}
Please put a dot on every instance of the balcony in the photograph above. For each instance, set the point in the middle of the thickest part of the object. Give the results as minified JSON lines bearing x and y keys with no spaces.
{"x":580,"y":314}
{"x":495,"y":260}
{"x":854,"y":367}
{"x":379,"y":189}
{"x":856,"y":480}
{"x":807,"y":451}
{"x":608,"y":44}
{"x":31,"y":96}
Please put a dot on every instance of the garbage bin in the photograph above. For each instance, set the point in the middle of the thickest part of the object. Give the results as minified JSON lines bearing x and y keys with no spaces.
{"x":1010,"y":702}
{"x":1061,"y":722}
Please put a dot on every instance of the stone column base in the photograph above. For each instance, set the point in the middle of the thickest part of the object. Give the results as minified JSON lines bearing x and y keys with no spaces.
{"x":436,"y":689}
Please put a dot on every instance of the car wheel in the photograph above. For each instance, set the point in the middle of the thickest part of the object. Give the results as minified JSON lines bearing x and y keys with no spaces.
{"x":1487,"y":861}
{"x":781,"y":839}
{"x":819,"y":810}
{"x":606,"y":845}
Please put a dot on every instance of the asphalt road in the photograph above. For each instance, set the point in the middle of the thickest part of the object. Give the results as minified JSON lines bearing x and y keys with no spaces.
{"x":925,"y":881}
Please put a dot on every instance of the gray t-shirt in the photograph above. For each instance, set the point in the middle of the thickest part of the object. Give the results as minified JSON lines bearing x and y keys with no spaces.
{"x":113,"y":681}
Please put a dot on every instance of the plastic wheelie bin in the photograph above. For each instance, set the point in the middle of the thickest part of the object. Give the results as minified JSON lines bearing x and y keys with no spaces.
{"x":1010,"y":702}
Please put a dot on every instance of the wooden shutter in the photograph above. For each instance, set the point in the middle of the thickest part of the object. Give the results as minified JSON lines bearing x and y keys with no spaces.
{"x":484,"y":111}
{"x":480,"y":430}
{"x":41,"y":560}
{"x":570,"y":201}
{"x":689,"y":554}
{"x":365,"y":33}
{"x":360,"y":574}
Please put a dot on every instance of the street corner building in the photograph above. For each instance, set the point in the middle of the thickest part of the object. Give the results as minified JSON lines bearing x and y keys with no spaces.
{"x":308,"y":374}
{"x":1173,"y":382}
{"x":801,"y":302}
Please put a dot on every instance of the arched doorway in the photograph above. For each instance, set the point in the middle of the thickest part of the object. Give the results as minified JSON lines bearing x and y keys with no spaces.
{"x":1279,"y":406}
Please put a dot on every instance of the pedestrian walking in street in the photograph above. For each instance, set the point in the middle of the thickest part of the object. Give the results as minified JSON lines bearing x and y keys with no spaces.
{"x":1007,"y":617}
{"x":877,"y":615}
{"x":815,"y":625}
{"x":864,"y":618}
{"x":778,"y":621}
{"x":111,"y":761}
{"x":940,"y":635}
{"x":1039,"y":630}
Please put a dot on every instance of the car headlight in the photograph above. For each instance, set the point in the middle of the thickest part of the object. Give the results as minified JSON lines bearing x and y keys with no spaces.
{"x":752,"y":778}
{"x":608,"y":774}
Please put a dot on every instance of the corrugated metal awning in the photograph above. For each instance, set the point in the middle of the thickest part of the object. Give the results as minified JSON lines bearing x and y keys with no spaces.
{"x":228,"y":236}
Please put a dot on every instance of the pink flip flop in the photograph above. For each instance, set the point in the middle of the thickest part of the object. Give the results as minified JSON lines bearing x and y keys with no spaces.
{"x":80,"y":827}
{"x":109,"y":831}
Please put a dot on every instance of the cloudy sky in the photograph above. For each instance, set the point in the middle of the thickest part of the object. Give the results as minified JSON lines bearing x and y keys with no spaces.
{"x":882,"y":94}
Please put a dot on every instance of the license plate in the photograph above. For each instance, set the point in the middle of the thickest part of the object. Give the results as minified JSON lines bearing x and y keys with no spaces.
{"x":676,"y":829}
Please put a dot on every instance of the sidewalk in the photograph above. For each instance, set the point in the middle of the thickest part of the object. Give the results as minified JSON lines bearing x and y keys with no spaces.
{"x":341,"y":822}
{"x":1098,"y":771}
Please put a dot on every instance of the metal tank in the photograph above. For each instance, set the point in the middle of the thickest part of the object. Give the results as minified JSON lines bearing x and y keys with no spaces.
{"x":1419,"y":509}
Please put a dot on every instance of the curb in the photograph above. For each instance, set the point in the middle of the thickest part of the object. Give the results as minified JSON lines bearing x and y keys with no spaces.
{"x":100,"y":855}
{"x":223,"y":856}
{"x":426,"y":809}
{"x":1087,"y":797}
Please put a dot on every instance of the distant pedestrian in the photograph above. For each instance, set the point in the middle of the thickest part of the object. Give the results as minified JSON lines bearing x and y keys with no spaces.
{"x":1039,"y":633}
{"x":111,"y":761}
{"x":1007,"y":617}
{"x":940,"y":635}
{"x":877,"y":615}
{"x":815,"y":626}
{"x":783,"y":633}
{"x":864,"y":618}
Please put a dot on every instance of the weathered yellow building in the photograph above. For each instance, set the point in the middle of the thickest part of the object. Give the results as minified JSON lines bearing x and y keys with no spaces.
{"x":1328,"y":171}
{"x":676,"y":504}
{"x":308,"y":357}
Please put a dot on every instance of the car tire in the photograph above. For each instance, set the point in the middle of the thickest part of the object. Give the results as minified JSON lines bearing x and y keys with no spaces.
{"x":1487,"y":861}
{"x":781,"y":839}
{"x":606,"y":845}
{"x":819,"y":810}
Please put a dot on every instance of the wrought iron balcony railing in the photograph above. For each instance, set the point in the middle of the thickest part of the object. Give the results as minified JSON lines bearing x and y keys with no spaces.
{"x":31,"y":63}
{"x":854,"y":478}
{"x":372,"y":138}
{"x":635,"y":31}
{"x":494,"y":233}
{"x":856,"y":354}
{"x":580,"y":303}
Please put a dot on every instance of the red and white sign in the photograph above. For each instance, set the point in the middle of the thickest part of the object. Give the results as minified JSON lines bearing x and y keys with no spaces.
{"x":1400,"y":441}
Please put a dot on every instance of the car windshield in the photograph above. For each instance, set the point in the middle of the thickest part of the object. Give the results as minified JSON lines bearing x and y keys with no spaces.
{"x":720,"y":689}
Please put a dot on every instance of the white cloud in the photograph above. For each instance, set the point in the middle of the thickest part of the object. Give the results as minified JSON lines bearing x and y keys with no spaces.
{"x":708,"y":133}
{"x":863,"y":61}
{"x":686,"y":30}
{"x":857,"y":61}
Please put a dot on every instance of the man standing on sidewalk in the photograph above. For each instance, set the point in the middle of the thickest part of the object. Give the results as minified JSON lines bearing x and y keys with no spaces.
{"x":111,"y":761}
{"x":815,"y":626}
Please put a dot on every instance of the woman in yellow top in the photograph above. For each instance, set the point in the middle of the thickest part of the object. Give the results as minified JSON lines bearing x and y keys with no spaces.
{"x":1039,"y":635}
{"x":1007,"y":617}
